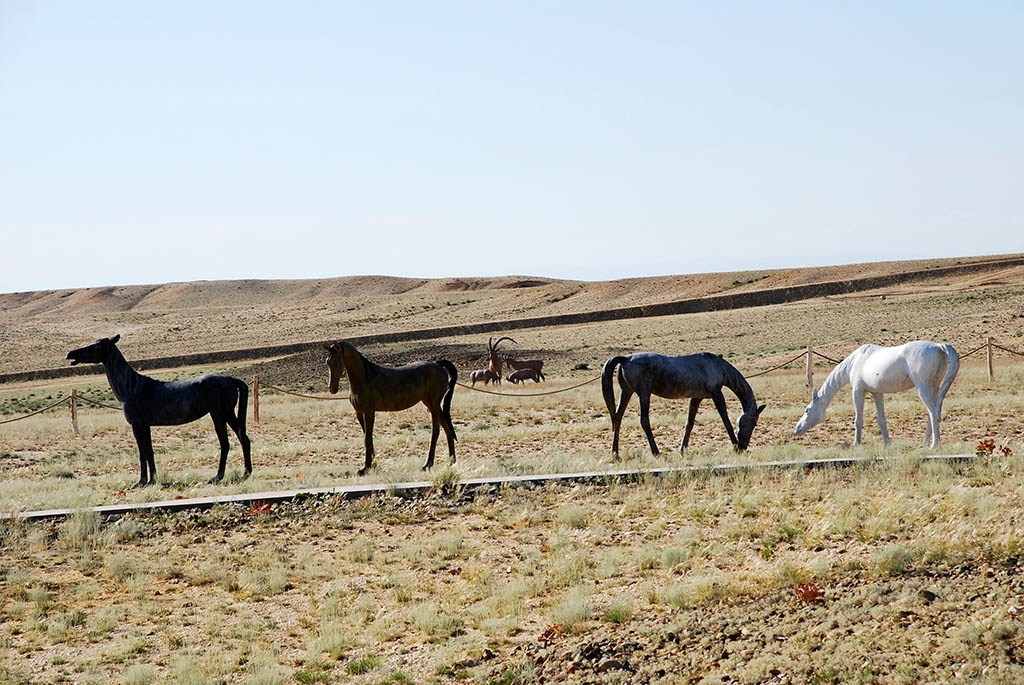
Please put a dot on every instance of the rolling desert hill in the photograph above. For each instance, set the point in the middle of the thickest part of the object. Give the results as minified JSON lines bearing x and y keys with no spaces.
{"x":157,"y":321}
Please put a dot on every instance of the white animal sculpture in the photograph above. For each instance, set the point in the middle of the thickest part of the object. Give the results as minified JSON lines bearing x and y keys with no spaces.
{"x":930,"y":367}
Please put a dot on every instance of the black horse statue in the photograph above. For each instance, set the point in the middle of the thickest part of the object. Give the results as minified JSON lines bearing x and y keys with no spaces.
{"x":374,"y":388}
{"x":148,"y":402}
{"x":695,"y":376}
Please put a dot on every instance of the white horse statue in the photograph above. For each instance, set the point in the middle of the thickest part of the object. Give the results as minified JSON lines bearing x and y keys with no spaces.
{"x":930,"y":367}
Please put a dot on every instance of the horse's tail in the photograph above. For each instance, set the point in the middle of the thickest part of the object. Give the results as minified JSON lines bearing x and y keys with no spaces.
{"x":446,"y":401}
{"x":952,"y":367}
{"x":607,"y":373}
{"x":243,"y":403}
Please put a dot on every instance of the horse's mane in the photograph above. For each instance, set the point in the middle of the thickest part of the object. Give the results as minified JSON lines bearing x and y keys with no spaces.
{"x":735,"y":381}
{"x":122,"y":376}
{"x":368,"y":366}
{"x":837,"y":378}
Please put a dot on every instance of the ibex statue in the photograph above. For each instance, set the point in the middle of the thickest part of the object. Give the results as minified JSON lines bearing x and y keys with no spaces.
{"x":492,"y":351}
{"x":534,"y":364}
{"x":485,"y":375}
{"x":523,"y":375}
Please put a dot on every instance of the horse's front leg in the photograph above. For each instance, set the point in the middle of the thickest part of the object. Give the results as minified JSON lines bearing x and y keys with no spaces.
{"x":367,"y":441}
{"x":221,"y":427}
{"x":880,"y":411}
{"x":645,"y":420}
{"x":144,"y":438}
{"x":719,"y":399}
{"x":691,"y":418}
{"x":858,"y":420}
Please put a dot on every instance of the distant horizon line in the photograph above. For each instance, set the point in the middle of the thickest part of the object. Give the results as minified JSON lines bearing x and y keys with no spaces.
{"x":660,"y":270}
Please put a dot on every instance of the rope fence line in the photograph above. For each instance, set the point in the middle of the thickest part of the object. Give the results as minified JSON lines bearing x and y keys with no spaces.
{"x":826,"y":357}
{"x":776,"y":368}
{"x":976,"y":349}
{"x":38,"y":411}
{"x":98,"y":404}
{"x":299,"y":394}
{"x":529,"y":394}
{"x":1007,"y":349}
{"x":807,"y":354}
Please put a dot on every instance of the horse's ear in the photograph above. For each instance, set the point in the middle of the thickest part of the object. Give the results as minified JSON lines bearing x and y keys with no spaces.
{"x":325,"y":345}
{"x":814,"y":394}
{"x":115,"y":339}
{"x":761,"y":409}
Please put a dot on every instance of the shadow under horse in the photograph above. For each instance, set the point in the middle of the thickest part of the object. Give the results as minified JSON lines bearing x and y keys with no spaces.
{"x":695,"y":376}
{"x":148,"y":402}
{"x":374,"y":388}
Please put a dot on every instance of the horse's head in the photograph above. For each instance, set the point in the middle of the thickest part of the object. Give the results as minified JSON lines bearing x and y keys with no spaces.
{"x":336,"y":365}
{"x":813,"y":415}
{"x":96,"y":353}
{"x":746,"y":427}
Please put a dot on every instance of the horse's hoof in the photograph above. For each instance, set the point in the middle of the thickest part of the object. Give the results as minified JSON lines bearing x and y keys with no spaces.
{"x":140,"y":484}
{"x":215,"y":479}
{"x":361,"y":472}
{"x":246,"y":475}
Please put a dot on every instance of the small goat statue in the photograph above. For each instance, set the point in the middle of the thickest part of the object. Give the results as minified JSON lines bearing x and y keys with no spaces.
{"x":527,"y":374}
{"x":485,"y":375}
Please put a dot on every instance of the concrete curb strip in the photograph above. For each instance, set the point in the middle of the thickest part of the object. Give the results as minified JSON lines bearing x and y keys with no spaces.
{"x":420,"y":487}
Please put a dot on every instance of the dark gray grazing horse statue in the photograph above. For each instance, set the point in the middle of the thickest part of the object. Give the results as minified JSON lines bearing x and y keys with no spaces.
{"x":148,"y":402}
{"x":695,"y":376}
{"x":374,"y":388}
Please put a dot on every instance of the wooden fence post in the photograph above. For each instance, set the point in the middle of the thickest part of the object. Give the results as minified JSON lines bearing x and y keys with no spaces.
{"x":810,"y":370}
{"x":256,"y":398}
{"x":74,"y":411}
{"x":990,"y":374}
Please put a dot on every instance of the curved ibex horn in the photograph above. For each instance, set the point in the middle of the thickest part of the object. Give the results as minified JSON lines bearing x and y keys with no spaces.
{"x":498,"y":342}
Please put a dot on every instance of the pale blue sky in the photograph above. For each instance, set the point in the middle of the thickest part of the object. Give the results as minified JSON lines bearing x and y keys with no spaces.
{"x":143,"y":143}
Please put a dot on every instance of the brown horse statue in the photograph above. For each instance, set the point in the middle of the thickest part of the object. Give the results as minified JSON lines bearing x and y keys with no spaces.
{"x":374,"y":388}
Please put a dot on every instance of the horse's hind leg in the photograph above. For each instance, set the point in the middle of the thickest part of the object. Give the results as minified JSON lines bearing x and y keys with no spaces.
{"x":931,"y":403}
{"x":221,"y":426}
{"x":691,"y":417}
{"x":243,"y":440}
{"x":144,"y":438}
{"x":435,"y":429}
{"x":645,"y":420}
{"x":449,"y":432}
{"x":624,"y":398}
{"x":719,"y":399}
{"x":367,"y":441}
